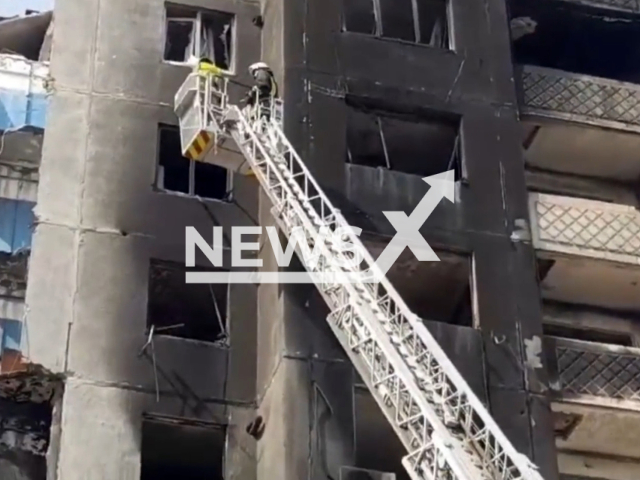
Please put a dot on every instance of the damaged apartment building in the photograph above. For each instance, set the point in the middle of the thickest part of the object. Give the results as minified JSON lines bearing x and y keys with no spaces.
{"x":112,"y":367}
{"x":27,"y":391}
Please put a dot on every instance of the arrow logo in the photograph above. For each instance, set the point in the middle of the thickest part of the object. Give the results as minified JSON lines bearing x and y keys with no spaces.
{"x":408,"y":227}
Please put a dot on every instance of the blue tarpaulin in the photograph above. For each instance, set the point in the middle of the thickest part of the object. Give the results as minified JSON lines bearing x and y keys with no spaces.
{"x":22,"y":110}
{"x":11,"y":335}
{"x":16,"y":220}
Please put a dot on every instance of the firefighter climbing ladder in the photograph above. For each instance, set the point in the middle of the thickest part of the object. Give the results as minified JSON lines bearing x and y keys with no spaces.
{"x":448,"y":433}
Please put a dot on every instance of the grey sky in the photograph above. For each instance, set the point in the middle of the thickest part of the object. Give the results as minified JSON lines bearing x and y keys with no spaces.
{"x":15,"y":7}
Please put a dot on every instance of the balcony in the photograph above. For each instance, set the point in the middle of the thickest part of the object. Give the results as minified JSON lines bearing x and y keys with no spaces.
{"x":555,"y":94}
{"x":591,"y":250}
{"x":580,"y":124}
{"x":578,"y":81}
{"x":586,"y":228}
{"x":598,"y":374}
{"x":23,"y":107}
{"x":595,"y":397}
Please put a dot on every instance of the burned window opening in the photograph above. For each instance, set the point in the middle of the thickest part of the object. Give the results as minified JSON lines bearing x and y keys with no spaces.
{"x":370,"y":427}
{"x":176,"y":173}
{"x":576,"y":38}
{"x":186,"y":451}
{"x":178,"y":309}
{"x":199,"y":33}
{"x":417,"y":21}
{"x":434,"y":291}
{"x":587,"y":335}
{"x":416,"y":146}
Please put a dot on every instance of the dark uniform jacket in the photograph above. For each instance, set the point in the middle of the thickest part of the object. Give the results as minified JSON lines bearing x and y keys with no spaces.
{"x":265,"y":84}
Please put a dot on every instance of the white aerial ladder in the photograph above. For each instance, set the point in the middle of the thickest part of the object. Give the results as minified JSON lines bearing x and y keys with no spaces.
{"x":448,"y":433}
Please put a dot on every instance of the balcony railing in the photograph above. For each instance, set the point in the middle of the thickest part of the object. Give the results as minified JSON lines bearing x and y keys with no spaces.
{"x":586,"y":228}
{"x":632,"y":6}
{"x":579,"y":98}
{"x":595,"y":373}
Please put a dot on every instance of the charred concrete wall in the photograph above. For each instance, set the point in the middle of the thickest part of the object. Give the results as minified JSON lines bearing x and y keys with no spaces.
{"x":100,"y":222}
{"x":24,"y":438}
{"x":323,"y":70}
{"x":26,"y":408}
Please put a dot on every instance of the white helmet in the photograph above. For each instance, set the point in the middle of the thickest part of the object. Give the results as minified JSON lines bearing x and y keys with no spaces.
{"x":258,"y":66}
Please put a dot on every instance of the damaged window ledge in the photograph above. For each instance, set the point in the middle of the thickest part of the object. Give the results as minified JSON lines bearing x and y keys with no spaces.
{"x":221,"y":344}
{"x":444,"y":51}
{"x":188,"y":196}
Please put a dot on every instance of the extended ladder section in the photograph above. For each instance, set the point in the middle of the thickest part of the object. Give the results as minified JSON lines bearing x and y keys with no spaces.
{"x":445,"y":428}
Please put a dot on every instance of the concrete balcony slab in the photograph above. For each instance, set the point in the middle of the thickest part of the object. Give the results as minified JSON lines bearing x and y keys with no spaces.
{"x":596,"y":396}
{"x":585,"y":228}
{"x":593,"y":248}
{"x":579,"y":124}
{"x":601,"y":102}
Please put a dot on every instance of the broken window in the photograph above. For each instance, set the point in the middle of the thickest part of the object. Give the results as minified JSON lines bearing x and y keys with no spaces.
{"x":576,"y":38}
{"x":16,"y":221}
{"x":177,"y":448}
{"x":177,"y":173}
{"x":199,"y":33}
{"x":185,"y":310}
{"x":411,"y":145}
{"x":10,"y":346}
{"x":587,"y":335}
{"x":418,"y":21}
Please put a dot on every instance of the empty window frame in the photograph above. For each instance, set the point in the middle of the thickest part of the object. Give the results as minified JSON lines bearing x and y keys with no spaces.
{"x":576,"y":38}
{"x":199,"y":33}
{"x":176,"y":173}
{"x":416,"y":146}
{"x":377,"y":445}
{"x":179,"y":309}
{"x":436,"y":291}
{"x":174,"y":449}
{"x":417,"y":21}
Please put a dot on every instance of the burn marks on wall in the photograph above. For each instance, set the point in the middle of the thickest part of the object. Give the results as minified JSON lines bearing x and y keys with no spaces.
{"x":413,"y":144}
{"x":178,"y":309}
{"x":576,"y":38}
{"x":26,"y":415}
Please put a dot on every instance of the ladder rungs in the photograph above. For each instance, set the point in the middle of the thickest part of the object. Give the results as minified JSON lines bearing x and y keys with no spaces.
{"x":421,"y":393}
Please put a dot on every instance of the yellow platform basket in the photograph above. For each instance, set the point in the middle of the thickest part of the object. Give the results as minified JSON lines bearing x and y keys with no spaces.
{"x":200,"y":104}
